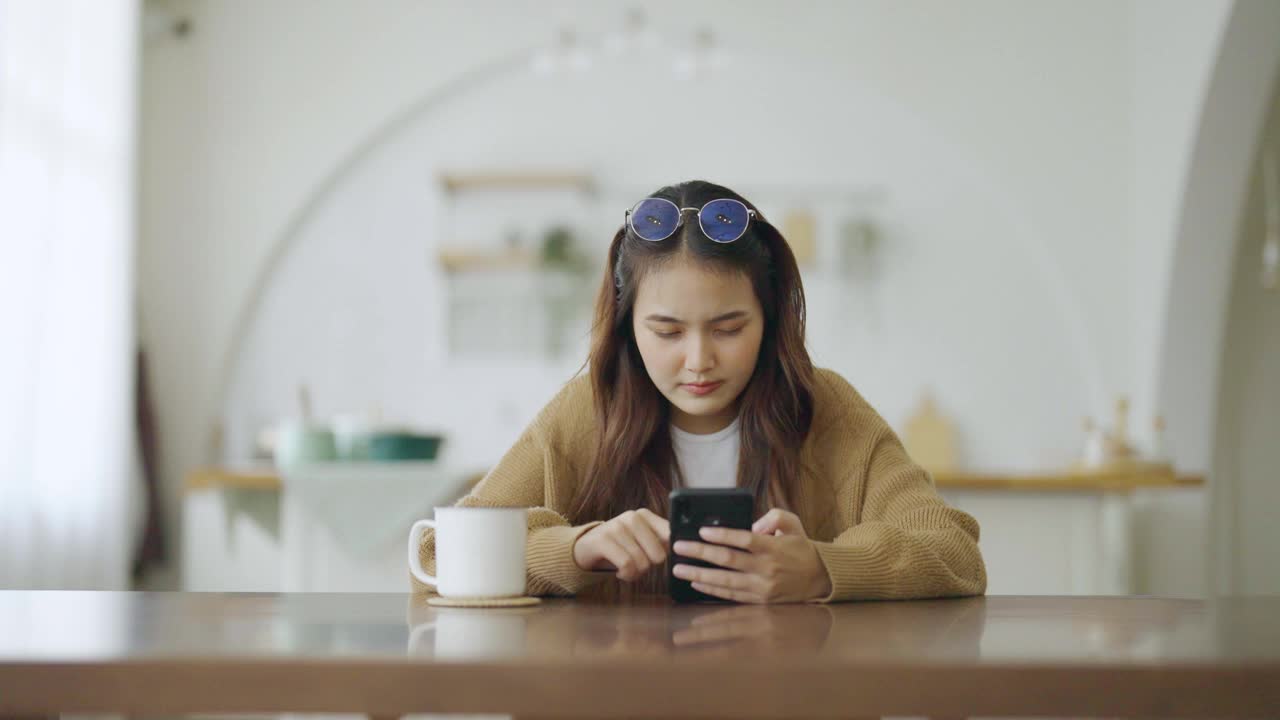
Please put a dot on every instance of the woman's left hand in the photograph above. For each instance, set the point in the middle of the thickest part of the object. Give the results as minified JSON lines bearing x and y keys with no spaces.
{"x":774,"y":562}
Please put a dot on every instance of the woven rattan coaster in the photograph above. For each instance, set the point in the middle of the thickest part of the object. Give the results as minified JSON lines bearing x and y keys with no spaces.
{"x":523,"y":601}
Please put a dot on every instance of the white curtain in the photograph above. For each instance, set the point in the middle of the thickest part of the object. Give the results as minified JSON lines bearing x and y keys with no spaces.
{"x":68,"y":84}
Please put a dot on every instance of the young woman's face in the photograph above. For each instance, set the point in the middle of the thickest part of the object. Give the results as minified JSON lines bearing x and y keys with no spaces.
{"x":699,"y":335}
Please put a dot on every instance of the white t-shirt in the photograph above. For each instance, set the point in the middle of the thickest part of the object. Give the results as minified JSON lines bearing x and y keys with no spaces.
{"x":708,"y":461}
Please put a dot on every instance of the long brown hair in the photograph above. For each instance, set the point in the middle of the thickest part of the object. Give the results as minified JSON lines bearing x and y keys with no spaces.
{"x":634,"y":463}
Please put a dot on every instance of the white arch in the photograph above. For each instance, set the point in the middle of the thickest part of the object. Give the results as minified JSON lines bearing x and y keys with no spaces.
{"x":1025,"y":242}
{"x":320,"y":193}
{"x":1194,"y":322}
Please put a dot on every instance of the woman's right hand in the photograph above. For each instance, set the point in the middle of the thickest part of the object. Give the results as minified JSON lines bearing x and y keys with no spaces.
{"x":630,"y":544}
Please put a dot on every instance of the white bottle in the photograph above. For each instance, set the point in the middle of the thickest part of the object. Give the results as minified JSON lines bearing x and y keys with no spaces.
{"x":1095,"y":445}
{"x":1158,"y":453}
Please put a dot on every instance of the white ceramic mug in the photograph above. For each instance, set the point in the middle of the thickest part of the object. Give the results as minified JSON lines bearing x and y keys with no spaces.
{"x":299,"y":442}
{"x":479,"y":551}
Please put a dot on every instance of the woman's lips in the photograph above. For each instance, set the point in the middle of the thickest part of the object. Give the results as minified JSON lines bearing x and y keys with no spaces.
{"x":702,"y":388}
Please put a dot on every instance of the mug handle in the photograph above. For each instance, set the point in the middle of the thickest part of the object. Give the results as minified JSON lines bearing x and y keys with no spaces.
{"x":415,"y":563}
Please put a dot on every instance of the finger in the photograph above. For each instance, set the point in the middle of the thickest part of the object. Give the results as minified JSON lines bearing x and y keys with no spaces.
{"x":779,"y":522}
{"x":767,"y":523}
{"x":652,"y":545}
{"x":661,"y":527}
{"x":744,"y":539}
{"x":789,"y":523}
{"x":639,"y":558}
{"x":713,"y":576}
{"x":622,"y":532}
{"x":614,"y":555}
{"x":630,"y":565}
{"x":726,"y":593}
{"x":716,"y":555}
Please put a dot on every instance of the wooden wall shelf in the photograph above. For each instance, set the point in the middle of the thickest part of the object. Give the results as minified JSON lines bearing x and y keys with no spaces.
{"x":1065,"y":481}
{"x":455,"y":182}
{"x":462,"y":260}
{"x":246,"y":478}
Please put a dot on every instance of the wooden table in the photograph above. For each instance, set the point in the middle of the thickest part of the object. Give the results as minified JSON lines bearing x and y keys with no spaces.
{"x":149,"y":653}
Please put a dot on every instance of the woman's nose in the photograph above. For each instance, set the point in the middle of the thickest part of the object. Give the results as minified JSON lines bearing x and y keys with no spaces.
{"x":700,"y":356}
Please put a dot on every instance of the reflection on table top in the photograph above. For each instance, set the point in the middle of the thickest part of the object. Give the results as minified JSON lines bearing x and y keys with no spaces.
{"x":1079,"y":632}
{"x":159,"y":653}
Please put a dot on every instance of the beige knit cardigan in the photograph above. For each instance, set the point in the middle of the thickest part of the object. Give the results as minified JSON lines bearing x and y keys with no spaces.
{"x":873,"y":515}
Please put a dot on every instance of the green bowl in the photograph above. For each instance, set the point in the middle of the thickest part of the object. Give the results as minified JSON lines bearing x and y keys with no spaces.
{"x":403,"y":446}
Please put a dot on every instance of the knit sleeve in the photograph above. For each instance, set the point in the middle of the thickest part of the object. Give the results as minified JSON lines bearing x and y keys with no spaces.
{"x":519,"y":480}
{"x":903,"y":541}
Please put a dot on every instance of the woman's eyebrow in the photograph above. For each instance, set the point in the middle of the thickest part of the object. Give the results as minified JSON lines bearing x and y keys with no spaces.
{"x":719,"y":318}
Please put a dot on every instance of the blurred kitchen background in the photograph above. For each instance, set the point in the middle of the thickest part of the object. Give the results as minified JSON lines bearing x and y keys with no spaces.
{"x":280,"y":277}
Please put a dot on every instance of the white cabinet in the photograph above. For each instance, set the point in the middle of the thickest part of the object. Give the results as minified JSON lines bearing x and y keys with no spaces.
{"x":231,"y":540}
{"x":331,"y":528}
{"x":1070,"y":543}
{"x":1088,"y":542}
{"x":344,"y":525}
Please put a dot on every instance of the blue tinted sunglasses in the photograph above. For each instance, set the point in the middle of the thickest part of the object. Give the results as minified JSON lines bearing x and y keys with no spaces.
{"x":656,"y":219}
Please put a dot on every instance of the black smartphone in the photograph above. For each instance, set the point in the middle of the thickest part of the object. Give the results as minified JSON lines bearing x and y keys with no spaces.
{"x":691,"y":510}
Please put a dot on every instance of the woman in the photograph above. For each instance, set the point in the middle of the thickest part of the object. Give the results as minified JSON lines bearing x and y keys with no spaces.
{"x":699,"y":377}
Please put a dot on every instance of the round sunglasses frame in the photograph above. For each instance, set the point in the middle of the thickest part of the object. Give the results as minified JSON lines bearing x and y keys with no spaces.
{"x":751,"y":214}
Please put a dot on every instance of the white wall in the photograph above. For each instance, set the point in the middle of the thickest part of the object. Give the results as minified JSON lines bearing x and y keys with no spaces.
{"x":1031,"y":195}
{"x":361,"y":280}
{"x":1173,"y":56}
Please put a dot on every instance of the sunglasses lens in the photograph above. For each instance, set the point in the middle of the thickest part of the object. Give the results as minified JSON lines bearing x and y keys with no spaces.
{"x":655,"y":219}
{"x":724,"y":220}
